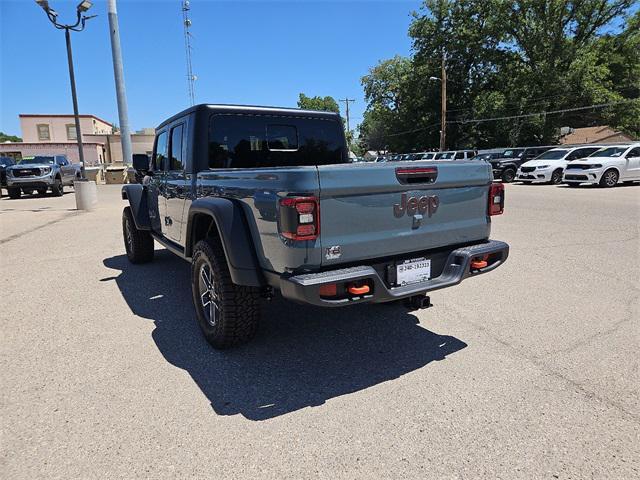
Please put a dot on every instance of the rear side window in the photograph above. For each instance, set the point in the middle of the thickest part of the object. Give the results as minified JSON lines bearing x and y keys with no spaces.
{"x":160,"y":152}
{"x":459,"y":156}
{"x":176,"y":162}
{"x":250,"y":141}
{"x":635,"y":152}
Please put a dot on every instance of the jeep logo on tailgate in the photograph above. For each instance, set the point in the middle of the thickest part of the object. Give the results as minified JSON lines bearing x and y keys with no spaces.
{"x":426,"y":204}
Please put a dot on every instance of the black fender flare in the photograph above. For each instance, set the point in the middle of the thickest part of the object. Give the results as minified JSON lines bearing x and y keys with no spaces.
{"x":136,"y":195}
{"x":235,"y":236}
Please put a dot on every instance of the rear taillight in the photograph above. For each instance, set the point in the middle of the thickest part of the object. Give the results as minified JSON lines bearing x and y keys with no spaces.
{"x":496,"y":199}
{"x":300,"y":218}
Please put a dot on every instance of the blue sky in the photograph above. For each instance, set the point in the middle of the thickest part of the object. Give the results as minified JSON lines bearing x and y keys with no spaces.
{"x":247,"y":52}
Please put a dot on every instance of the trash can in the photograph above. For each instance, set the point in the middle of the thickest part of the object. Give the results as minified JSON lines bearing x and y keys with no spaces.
{"x":115,"y":175}
{"x":93,"y":174}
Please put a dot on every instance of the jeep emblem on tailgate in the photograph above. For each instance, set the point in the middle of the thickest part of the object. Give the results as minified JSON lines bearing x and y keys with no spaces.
{"x":412,"y":205}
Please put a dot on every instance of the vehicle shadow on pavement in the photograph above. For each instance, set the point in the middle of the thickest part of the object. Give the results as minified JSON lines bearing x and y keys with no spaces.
{"x":301,"y":357}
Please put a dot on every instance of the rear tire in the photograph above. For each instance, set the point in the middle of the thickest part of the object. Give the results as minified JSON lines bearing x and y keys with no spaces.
{"x":508,"y":175}
{"x":14,"y":192}
{"x":573,"y":185}
{"x":57,"y":189}
{"x":556,"y":177}
{"x":138,"y":243}
{"x":228,"y":314}
{"x":609,"y":178}
{"x":42,"y":191}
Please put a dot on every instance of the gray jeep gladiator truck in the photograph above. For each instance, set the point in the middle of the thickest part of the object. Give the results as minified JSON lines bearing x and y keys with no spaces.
{"x":261,"y":199}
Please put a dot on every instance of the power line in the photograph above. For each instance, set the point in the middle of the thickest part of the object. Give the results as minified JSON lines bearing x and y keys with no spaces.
{"x":428,"y":127}
{"x":550,"y":112}
{"x":539,"y":100}
{"x":512,"y":117}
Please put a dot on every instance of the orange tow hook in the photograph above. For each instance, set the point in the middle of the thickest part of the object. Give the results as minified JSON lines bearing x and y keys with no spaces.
{"x":479,"y":262}
{"x":354,"y":290}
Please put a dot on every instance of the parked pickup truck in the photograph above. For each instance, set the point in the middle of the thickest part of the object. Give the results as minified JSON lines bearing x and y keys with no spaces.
{"x":40,"y":173}
{"x":262,"y":199}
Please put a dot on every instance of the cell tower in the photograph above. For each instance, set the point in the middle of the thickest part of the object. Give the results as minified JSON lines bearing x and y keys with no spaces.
{"x":186,"y":22}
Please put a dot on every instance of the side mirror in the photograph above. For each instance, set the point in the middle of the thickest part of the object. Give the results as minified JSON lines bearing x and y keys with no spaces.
{"x":141,"y":162}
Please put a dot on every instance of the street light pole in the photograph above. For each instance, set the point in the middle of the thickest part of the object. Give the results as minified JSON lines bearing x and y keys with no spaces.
{"x":74,"y":97}
{"x":52,"y":15}
{"x":443,"y":106}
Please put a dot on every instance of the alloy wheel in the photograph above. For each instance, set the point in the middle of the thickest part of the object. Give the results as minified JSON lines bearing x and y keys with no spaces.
{"x":209,"y":298}
{"x":610,"y":178}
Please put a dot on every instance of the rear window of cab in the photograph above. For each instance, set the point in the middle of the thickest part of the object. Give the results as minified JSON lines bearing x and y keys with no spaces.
{"x":262,"y":141}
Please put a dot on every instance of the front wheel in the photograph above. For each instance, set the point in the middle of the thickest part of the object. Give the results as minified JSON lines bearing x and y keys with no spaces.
{"x":57,"y":189}
{"x":609,"y":179}
{"x":508,"y":175}
{"x":228,"y":314}
{"x":138,"y":243}
{"x":556,"y":177}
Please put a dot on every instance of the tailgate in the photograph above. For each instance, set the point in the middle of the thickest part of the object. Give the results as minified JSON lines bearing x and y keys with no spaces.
{"x":388,"y":209}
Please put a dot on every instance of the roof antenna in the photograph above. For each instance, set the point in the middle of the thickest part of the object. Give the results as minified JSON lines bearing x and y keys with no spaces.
{"x":186,"y":22}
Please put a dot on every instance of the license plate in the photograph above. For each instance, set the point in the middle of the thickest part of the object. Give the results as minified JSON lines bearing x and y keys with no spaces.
{"x":413,"y":271}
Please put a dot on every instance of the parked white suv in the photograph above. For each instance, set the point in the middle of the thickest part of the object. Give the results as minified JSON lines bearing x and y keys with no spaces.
{"x":549,"y":166}
{"x":606,"y":167}
{"x":455,"y":155}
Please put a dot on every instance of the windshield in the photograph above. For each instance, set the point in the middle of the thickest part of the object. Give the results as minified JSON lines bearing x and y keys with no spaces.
{"x":609,"y":152}
{"x":552,"y":155}
{"x":512,"y":153}
{"x":444,"y":155}
{"x":37,"y":160}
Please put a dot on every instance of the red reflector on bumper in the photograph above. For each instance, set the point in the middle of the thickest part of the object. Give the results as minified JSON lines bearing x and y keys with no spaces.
{"x":329,"y":290}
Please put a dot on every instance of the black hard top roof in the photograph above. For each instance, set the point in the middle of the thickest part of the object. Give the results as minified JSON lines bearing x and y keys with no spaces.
{"x":222,"y":108}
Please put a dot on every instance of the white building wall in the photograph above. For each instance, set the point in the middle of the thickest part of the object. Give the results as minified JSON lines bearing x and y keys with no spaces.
{"x":58,"y":127}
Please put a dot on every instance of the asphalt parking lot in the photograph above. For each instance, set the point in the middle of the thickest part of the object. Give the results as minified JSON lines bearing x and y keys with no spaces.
{"x":528,"y":372}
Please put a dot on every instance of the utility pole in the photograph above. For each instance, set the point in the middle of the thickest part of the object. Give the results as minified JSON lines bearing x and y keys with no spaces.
{"x":346,"y":101}
{"x":118,"y":73}
{"x":443,"y":106}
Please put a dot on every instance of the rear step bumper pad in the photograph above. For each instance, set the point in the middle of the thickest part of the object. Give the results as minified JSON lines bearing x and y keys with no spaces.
{"x":305,"y":288}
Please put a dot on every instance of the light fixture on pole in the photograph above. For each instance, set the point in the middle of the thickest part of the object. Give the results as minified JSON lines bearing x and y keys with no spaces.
{"x":78,"y":26}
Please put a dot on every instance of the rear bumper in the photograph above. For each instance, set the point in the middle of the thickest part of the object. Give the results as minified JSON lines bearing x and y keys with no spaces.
{"x":306,"y":288}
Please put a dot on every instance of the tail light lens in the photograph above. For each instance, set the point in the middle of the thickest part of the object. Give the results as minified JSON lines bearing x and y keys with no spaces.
{"x":300,"y":218}
{"x":496,"y":199}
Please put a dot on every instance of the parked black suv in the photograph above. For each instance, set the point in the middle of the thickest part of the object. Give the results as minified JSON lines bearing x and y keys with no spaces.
{"x":506,"y":166}
{"x":4,"y":163}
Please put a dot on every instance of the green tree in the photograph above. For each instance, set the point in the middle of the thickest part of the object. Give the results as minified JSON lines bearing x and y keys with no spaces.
{"x":5,"y":137}
{"x":325,"y":104}
{"x":506,"y":59}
